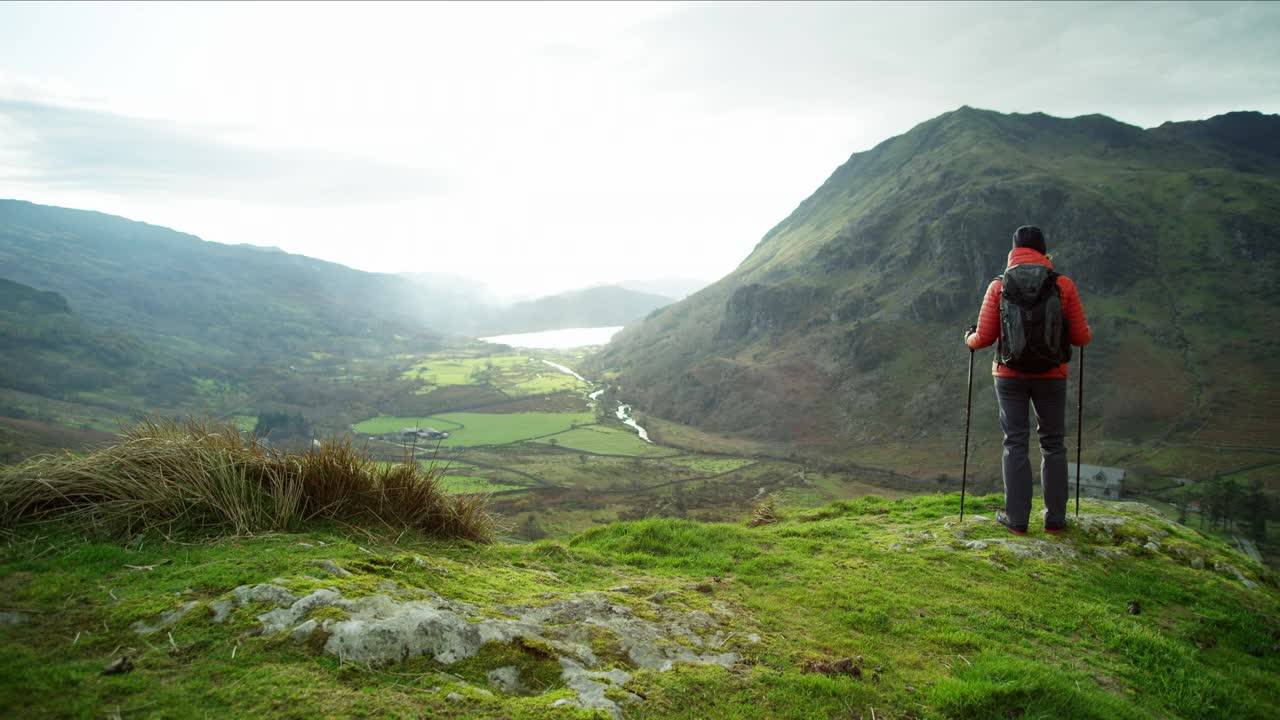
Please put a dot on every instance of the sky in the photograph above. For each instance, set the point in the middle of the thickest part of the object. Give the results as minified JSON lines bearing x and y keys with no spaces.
{"x":544,"y":147}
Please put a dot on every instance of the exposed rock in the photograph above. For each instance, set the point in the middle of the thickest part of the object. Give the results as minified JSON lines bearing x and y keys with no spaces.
{"x":1230,"y":570}
{"x":1025,"y":548}
{"x":1152,"y":546}
{"x":455,"y":697}
{"x":507,"y":680}
{"x":221,"y":610}
{"x":1114,"y":529}
{"x":410,"y":630}
{"x":304,"y":631}
{"x":590,"y":688}
{"x":165,"y":620}
{"x":1135,"y":607}
{"x":332,"y":567}
{"x":386,"y":629}
{"x":12,"y":617}
{"x":282,"y":618}
{"x":273,"y":594}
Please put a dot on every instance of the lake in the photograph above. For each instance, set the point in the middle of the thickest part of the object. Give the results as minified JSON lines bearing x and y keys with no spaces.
{"x":557,"y":339}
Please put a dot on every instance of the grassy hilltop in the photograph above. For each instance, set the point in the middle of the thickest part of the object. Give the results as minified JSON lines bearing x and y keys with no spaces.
{"x":873,"y":606}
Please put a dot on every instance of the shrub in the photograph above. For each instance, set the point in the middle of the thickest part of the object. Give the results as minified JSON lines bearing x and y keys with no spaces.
{"x":195,"y":475}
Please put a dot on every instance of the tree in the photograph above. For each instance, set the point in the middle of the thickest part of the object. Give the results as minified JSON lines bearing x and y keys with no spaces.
{"x":1258,"y":511}
{"x":1231,"y":497}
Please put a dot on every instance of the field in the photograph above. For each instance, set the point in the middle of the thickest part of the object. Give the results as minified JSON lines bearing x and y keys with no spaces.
{"x":470,"y":484}
{"x":606,"y":440}
{"x":710,"y":465}
{"x":514,"y":375}
{"x":500,"y":429}
{"x":384,"y":424}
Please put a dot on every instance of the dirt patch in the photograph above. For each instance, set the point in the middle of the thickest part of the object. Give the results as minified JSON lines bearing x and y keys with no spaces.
{"x":844,"y":666}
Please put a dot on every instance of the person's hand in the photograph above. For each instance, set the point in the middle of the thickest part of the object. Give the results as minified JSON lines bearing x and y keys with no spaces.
{"x":969,"y":331}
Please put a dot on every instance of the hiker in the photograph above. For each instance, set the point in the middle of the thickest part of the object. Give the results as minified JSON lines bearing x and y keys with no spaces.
{"x":1029,"y":369}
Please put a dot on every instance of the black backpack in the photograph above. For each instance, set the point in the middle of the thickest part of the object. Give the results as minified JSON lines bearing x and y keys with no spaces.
{"x":1034,"y":337}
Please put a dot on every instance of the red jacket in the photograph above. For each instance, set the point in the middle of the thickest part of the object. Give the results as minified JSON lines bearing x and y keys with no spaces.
{"x":989,"y":316}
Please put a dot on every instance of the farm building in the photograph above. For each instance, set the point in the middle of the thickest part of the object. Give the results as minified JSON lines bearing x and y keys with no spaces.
{"x":1097,"y":481}
{"x":422,"y":433}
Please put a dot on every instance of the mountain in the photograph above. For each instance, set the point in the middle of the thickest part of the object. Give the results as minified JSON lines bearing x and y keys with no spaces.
{"x":225,"y":304}
{"x":844,"y":324}
{"x":676,"y":288}
{"x":602,"y":306}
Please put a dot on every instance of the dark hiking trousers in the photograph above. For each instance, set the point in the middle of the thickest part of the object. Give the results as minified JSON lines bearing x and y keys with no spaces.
{"x":1049,"y":397}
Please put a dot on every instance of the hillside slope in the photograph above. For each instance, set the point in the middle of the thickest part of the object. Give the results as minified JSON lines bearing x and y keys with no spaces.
{"x":874,"y":606}
{"x":844,"y":323}
{"x":226,"y":304}
{"x":47,"y":349}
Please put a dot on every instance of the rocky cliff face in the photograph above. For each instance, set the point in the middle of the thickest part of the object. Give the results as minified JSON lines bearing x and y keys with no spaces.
{"x":844,"y":322}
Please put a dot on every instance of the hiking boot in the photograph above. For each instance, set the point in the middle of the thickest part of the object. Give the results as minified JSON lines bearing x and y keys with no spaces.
{"x":1055,"y":527}
{"x":1002,"y":517}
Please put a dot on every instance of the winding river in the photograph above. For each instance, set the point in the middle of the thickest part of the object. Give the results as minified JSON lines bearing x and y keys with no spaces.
{"x":623,"y":412}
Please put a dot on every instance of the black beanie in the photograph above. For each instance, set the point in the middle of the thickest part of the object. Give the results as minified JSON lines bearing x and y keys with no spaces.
{"x":1029,"y":236}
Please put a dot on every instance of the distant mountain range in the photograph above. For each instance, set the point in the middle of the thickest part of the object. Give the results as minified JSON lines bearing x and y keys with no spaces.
{"x":844,"y":324}
{"x":227,"y":304}
{"x":602,"y":306}
{"x":243,"y":304}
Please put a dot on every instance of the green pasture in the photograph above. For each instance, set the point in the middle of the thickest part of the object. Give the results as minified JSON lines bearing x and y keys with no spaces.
{"x":390,"y":423}
{"x":606,"y":440}
{"x":710,"y":465}
{"x":459,"y":484}
{"x":495,"y":429}
{"x":512,"y":374}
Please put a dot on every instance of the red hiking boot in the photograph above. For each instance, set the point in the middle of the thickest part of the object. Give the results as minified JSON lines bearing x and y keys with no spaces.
{"x":1002,"y":517}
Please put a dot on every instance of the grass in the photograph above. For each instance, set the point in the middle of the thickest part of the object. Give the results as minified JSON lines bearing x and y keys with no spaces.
{"x":189,"y":475}
{"x":384,"y":424}
{"x":937,"y":629}
{"x":710,"y":465}
{"x":606,"y":440}
{"x":516,"y":375}
{"x":461,"y":484}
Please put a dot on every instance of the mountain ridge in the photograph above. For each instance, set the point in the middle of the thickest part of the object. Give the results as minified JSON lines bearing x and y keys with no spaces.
{"x":894,"y":250}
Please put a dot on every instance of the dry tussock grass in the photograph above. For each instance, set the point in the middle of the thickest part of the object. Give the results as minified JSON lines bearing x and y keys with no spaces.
{"x":765,"y":512}
{"x":195,"y":475}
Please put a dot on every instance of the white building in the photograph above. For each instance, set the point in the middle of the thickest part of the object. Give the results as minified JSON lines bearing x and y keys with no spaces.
{"x":1097,"y":481}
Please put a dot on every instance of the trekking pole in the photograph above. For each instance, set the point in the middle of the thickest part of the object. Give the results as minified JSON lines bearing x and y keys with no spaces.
{"x":1079,"y":429}
{"x":968,"y":405}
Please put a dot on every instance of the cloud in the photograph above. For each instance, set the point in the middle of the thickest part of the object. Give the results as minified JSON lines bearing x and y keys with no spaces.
{"x":62,"y":147}
{"x":1145,"y":61}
